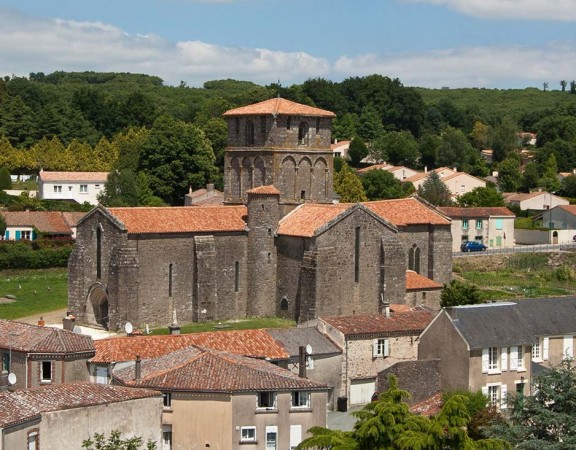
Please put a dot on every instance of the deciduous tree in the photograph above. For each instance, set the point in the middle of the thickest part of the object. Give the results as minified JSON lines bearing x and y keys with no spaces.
{"x":435,"y":191}
{"x":458,"y":293}
{"x":348,"y":186}
{"x":481,"y":197}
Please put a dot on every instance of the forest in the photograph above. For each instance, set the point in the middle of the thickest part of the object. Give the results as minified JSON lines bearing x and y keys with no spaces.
{"x":158,"y":140}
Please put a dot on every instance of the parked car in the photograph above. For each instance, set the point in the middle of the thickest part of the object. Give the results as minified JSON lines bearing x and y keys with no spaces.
{"x":472,"y":246}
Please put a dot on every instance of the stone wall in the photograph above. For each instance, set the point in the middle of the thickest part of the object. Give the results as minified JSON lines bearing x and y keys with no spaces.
{"x":420,"y":378}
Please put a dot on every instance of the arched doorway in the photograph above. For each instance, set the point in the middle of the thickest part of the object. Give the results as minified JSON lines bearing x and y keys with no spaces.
{"x":98,"y":302}
{"x":555,"y":237}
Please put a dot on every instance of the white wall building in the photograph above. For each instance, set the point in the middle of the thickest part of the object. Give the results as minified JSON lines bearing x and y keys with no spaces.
{"x":78,"y":186}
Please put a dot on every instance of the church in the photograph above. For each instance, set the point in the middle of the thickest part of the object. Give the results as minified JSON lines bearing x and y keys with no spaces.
{"x":278,"y":245}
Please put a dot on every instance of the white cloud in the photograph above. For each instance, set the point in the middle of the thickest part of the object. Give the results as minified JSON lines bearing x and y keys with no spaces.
{"x":42,"y":45}
{"x":556,"y":10}
{"x":501,"y":67}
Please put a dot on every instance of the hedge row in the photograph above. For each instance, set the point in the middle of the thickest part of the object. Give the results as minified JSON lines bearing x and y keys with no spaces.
{"x":28,"y":255}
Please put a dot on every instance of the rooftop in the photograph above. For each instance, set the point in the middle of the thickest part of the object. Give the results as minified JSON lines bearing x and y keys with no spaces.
{"x":415,"y":281}
{"x":53,"y":222}
{"x":74,"y":176}
{"x":466,"y":213}
{"x":279,"y":106}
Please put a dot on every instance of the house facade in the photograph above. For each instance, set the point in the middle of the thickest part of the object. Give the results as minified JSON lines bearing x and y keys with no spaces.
{"x":537,"y":201}
{"x":25,"y":225}
{"x":80,"y":187}
{"x":63,"y":416}
{"x":561,"y":217}
{"x":224,"y":401}
{"x":458,"y":183}
{"x":491,"y":226}
{"x":39,"y":355}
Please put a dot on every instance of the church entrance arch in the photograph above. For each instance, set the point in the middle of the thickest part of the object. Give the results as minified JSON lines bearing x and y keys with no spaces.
{"x":97,"y":306}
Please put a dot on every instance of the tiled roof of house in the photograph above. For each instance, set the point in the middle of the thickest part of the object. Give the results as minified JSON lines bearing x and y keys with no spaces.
{"x":202,"y":370}
{"x":293,"y":338}
{"x":52,"y":222}
{"x":73,"y":217}
{"x":253,"y":343}
{"x":523,"y":196}
{"x":571,"y":209}
{"x":398,"y":324}
{"x":417,"y":282}
{"x":184,"y":219}
{"x":467,"y":213}
{"x":264,"y":190}
{"x":74,"y":176}
{"x":203,"y":197}
{"x":281,"y":106}
{"x":339,"y":144}
{"x":23,"y":337}
{"x":374,"y":167}
{"x":421,"y":175}
{"x":26,"y":404}
{"x":308,"y":217}
{"x":461,"y":174}
{"x":406,"y":211}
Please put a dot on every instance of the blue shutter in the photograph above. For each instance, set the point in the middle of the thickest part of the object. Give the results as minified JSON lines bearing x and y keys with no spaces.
{"x":7,"y":235}
{"x":17,"y":235}
{"x":33,"y":235}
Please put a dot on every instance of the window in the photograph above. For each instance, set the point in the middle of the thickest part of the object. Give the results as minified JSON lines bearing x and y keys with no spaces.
{"x":284,"y":304}
{"x":97,"y":187}
{"x":520,"y":356}
{"x":46,"y":371}
{"x":83,"y":188}
{"x":464,"y":224}
{"x":57,"y":189}
{"x":414,"y":259}
{"x":98,"y":253}
{"x":493,"y":395}
{"x":462,"y":188}
{"x":267,"y":400}
{"x":317,"y":125}
{"x":170,"y":271}
{"x":536,"y":353}
{"x":493,"y":358}
{"x":496,"y":394}
{"x":479,"y":238}
{"x":301,"y":399}
{"x":271,"y":438}
{"x":248,"y":434}
{"x":166,"y":437}
{"x":167,"y":398}
{"x":6,"y":362}
{"x":263,"y":124}
{"x":237,"y":125}
{"x":295,"y":436}
{"x":26,"y":234}
{"x":478,"y":224}
{"x":499,"y":224}
{"x":33,"y":440}
{"x":568,"y":348}
{"x":236,"y":276}
{"x":303,"y":133}
{"x":249,"y":133}
{"x":357,"y":255}
{"x":465,"y":238}
{"x":380,"y":348}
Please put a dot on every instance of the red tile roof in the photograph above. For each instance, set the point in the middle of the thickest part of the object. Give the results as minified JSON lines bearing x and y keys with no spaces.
{"x":307,"y":218}
{"x":569,"y":209}
{"x":52,"y":222}
{"x":27,"y":404}
{"x":201,"y":370}
{"x":464,"y":213}
{"x":417,"y":282}
{"x":264,"y":190}
{"x":523,"y":196}
{"x":73,"y":217}
{"x":428,"y":407}
{"x":398,"y":324}
{"x":340,"y":144}
{"x":186,"y":219}
{"x":23,"y":337}
{"x":406,"y":211}
{"x":374,"y":167}
{"x":253,"y":343}
{"x":279,"y":106}
{"x":74,"y":176}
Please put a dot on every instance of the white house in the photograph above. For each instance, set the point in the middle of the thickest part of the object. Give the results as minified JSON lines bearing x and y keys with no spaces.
{"x":78,"y":186}
{"x":340,"y":149}
{"x":535,"y":200}
{"x":459,"y":183}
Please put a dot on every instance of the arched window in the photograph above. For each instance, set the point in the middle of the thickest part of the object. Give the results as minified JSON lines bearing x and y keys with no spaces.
{"x":303,"y":133}
{"x":288,"y":123}
{"x":98,"y":252}
{"x":249,"y":133}
{"x":170,"y":280}
{"x":284,"y":304}
{"x":236,"y":276}
{"x":414,"y":259}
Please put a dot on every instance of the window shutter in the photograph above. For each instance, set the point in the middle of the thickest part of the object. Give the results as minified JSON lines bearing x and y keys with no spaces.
{"x":545,"y":343}
{"x":7,"y":235}
{"x":375,"y":348}
{"x":503,"y":395}
{"x":568,"y":346}
{"x":17,"y":235}
{"x":504,"y":359}
{"x":485,"y":361}
{"x":386,"y":347}
{"x":513,"y":358}
{"x":485,"y":390}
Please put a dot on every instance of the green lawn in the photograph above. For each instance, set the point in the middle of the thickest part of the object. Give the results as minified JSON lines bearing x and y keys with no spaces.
{"x":35,"y":292}
{"x":250,"y":323}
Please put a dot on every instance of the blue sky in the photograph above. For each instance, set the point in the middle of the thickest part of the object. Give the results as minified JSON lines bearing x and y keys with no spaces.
{"x":429,"y":43}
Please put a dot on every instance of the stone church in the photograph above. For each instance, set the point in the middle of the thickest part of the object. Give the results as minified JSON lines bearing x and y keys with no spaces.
{"x":277,"y":246}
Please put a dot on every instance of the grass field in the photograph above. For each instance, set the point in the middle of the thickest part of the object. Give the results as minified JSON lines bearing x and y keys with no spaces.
{"x":35,"y":292}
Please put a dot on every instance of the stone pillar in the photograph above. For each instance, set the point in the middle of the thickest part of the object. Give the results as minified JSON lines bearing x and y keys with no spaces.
{"x":205,"y":296}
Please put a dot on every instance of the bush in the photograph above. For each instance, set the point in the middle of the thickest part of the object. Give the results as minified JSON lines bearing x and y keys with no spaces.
{"x":33,"y":255}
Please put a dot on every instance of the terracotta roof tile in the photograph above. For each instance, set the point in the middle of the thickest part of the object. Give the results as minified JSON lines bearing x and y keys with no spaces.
{"x":523,"y":196}
{"x":374,"y":167}
{"x":73,"y":217}
{"x":486,"y":212}
{"x":23,"y":337}
{"x":307,"y":218}
{"x":186,"y":219}
{"x":264,"y":190}
{"x":339,"y":144}
{"x":279,"y":106}
{"x":52,"y":222}
{"x":26,"y":404}
{"x":254,"y":343}
{"x":569,"y":208}
{"x":398,"y":324}
{"x":74,"y":176}
{"x":415,"y":281}
{"x":201,"y":370}
{"x":428,"y":407}
{"x":406,"y":211}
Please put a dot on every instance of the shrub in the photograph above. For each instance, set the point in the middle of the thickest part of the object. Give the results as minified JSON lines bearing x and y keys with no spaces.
{"x":33,"y":255}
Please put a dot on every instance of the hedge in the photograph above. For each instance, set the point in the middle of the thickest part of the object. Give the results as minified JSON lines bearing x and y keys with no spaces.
{"x":30,"y":255}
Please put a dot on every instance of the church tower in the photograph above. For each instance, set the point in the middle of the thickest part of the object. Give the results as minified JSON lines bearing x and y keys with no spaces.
{"x":282,"y":143}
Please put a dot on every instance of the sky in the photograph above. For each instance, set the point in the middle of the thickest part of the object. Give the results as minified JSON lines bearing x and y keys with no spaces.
{"x":503,"y":44}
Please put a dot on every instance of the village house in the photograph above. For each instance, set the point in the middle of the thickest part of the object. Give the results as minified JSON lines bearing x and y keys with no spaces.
{"x":279,"y":246}
{"x":534,"y":201}
{"x":220,"y":400}
{"x":399,"y":172}
{"x":340,"y":149}
{"x":62,"y":416}
{"x":491,"y":226}
{"x":27,"y":225}
{"x":458,"y":183}
{"x":561,"y":217}
{"x":80,"y":187}
{"x":39,"y":355}
{"x":204,"y":196}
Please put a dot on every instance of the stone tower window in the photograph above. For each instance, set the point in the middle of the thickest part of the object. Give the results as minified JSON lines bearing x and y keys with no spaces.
{"x":249,"y":133}
{"x":414,"y":259}
{"x":317,"y":125}
{"x":303,"y":133}
{"x":170,"y":280}
{"x":284,"y":304}
{"x":263,"y":124}
{"x":98,"y":253}
{"x":357,"y":255}
{"x":236,"y":276}
{"x":288,"y":123}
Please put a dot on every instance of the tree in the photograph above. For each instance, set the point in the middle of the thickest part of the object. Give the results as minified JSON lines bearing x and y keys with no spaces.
{"x":115,"y":442}
{"x":509,"y":176}
{"x":428,"y":147}
{"x":357,"y":151}
{"x":455,"y":149}
{"x":503,"y":139}
{"x":549,"y":180}
{"x":434,"y":191}
{"x":481,"y":197}
{"x":568,"y":188}
{"x":345,"y":127}
{"x":480,"y":135}
{"x":544,"y":420}
{"x":348,"y":186}
{"x":5,"y":180}
{"x":481,"y":413}
{"x":396,"y":147}
{"x":370,"y":125}
{"x":545,"y":86}
{"x":563,"y":84}
{"x":459,"y":293}
{"x":530,"y":176}
{"x":383,"y":185}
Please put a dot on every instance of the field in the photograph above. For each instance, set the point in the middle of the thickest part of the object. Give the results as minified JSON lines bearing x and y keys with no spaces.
{"x":34,"y":292}
{"x":520,"y":275}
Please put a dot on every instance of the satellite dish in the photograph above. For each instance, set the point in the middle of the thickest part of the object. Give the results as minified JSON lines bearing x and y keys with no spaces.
{"x":128,"y":328}
{"x":77,"y":329}
{"x":12,"y":378}
{"x":308,"y":349}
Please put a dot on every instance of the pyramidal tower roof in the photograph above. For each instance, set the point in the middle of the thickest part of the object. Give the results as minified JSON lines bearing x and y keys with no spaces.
{"x":279,"y":106}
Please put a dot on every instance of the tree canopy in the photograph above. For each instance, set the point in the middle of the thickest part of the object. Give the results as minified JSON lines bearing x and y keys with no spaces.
{"x":435,"y":191}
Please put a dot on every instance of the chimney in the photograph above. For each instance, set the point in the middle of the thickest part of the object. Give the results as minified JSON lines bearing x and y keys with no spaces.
{"x":573,"y":171}
{"x":425,"y":169}
{"x":387,"y":309}
{"x":210,"y":187}
{"x":41,"y":322}
{"x":302,"y":361}
{"x":137,"y":368}
{"x":454,"y":169}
